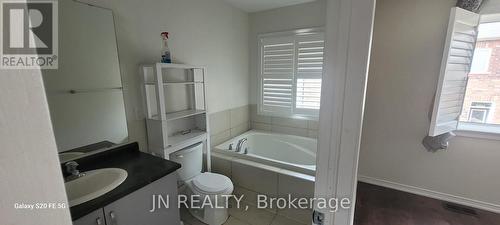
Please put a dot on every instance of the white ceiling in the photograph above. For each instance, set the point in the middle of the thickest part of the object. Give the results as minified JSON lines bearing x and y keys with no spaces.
{"x":261,"y":5}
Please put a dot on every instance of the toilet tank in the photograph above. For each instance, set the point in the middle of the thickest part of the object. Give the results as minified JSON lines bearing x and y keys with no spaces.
{"x":191,"y":159}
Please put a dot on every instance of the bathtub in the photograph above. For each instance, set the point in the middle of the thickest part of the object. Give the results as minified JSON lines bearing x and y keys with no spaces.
{"x":280,"y":151}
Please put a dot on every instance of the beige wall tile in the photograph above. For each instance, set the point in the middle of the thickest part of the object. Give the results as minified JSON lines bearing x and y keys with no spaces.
{"x":312,"y":133}
{"x":240,"y":129}
{"x":290,"y":130}
{"x":254,"y":117}
{"x":312,"y":125}
{"x":240,"y":115}
{"x":221,"y":166}
{"x":255,"y":179}
{"x":261,"y":126}
{"x":288,"y":122}
{"x":220,"y":121}
{"x":296,"y":187}
{"x":219,"y":138}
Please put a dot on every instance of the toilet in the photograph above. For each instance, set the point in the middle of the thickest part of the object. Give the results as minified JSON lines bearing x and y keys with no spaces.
{"x":205,"y":185}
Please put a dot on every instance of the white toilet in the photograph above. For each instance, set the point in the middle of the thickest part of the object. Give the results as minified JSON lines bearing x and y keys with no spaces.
{"x":202,"y":184}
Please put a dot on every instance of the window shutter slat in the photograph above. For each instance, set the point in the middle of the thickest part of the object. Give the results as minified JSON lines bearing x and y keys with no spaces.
{"x":455,"y":66}
{"x":310,"y":53}
{"x":277,"y":74}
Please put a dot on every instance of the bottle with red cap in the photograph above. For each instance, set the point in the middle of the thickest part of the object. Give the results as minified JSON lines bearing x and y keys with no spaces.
{"x":165,"y":50}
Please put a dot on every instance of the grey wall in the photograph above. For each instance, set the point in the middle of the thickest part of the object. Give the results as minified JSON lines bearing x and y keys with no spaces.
{"x":210,"y":33}
{"x":88,"y":60}
{"x":406,"y":55}
{"x":29,"y":166}
{"x":282,"y":19}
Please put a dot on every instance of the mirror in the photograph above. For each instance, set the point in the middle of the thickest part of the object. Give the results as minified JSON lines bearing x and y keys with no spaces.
{"x":85,"y":94}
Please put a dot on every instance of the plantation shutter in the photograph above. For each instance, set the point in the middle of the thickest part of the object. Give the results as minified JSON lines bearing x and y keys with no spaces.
{"x":309,"y":69}
{"x":277,"y":60}
{"x":455,"y":67}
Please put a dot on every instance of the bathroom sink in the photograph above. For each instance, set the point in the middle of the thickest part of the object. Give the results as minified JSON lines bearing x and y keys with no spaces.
{"x":68,"y":156}
{"x":94,"y":184}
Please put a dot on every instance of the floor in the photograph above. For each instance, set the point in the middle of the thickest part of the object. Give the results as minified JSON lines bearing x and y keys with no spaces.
{"x":376,"y":205}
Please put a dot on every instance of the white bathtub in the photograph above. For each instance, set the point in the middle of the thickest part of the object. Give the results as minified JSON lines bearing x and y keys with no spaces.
{"x":288,"y":152}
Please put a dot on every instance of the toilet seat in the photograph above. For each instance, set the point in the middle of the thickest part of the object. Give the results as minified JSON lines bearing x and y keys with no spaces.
{"x":212,"y":183}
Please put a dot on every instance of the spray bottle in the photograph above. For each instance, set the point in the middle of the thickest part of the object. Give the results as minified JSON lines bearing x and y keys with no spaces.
{"x":165,"y":50}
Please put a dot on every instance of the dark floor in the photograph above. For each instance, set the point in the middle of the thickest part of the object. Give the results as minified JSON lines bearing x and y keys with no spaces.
{"x":377,"y":205}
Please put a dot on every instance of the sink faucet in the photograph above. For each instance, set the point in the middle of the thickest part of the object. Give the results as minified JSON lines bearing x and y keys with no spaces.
{"x":240,"y":144}
{"x":71,"y":168}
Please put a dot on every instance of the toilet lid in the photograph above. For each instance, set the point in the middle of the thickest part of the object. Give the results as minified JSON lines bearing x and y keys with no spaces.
{"x":211,"y":182}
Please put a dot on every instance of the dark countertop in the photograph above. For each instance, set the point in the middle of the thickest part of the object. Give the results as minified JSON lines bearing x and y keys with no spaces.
{"x":142,"y":169}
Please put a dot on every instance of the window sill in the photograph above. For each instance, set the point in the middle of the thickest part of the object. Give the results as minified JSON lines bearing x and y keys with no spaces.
{"x":480,"y":131}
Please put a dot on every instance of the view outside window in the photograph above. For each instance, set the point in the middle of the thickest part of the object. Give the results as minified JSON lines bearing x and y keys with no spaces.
{"x":482,"y":99}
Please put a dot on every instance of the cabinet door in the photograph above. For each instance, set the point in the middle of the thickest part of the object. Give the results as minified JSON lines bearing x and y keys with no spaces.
{"x":135,"y":208}
{"x":94,"y":218}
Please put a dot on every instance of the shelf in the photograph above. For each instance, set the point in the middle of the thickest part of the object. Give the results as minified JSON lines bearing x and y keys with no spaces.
{"x":175,"y":83}
{"x":174,"y":66}
{"x":184,"y":114}
{"x":181,"y":140}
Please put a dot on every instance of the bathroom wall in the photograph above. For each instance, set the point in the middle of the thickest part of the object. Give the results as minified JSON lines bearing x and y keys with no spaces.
{"x":227,"y":124}
{"x":282,"y":19}
{"x":29,"y":166}
{"x":210,"y":33}
{"x":406,"y":56}
{"x":299,"y":127}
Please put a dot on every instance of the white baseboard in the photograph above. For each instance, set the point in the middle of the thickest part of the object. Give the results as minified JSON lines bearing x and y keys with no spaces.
{"x":432,"y":194}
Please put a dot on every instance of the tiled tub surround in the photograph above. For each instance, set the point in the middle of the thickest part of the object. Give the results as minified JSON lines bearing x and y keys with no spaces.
{"x":230,"y":123}
{"x":284,"y":151}
{"x":227,"y":124}
{"x":299,"y":127}
{"x":252,"y":178}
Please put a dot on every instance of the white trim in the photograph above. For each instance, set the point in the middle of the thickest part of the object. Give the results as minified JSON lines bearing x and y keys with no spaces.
{"x":349,"y":27}
{"x":478,"y":130}
{"x":431,"y":194}
{"x":295,"y":35}
{"x":477,"y":134}
{"x":300,"y":31}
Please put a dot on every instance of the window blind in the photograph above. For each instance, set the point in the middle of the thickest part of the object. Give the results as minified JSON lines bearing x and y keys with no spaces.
{"x":290,"y":76}
{"x":310,"y":49}
{"x":455,"y":67}
{"x":277,"y":74}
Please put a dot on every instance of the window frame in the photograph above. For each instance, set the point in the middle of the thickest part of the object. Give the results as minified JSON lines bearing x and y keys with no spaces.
{"x":488,"y":52}
{"x":296,"y":113}
{"x":485,"y":130}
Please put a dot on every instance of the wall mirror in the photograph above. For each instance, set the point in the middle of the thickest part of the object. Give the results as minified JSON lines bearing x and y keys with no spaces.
{"x":85,"y":94}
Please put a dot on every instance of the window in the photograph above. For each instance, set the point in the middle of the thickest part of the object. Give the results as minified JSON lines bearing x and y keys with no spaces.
{"x":481,"y":60}
{"x":468,"y":88}
{"x":479,"y":112}
{"x":291,"y":67}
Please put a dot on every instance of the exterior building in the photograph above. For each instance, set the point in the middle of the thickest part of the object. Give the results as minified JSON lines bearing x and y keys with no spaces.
{"x":482,"y":100}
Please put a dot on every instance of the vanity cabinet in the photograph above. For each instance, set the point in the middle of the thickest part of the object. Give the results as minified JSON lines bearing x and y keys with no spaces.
{"x":94,"y":218}
{"x":135,"y":208}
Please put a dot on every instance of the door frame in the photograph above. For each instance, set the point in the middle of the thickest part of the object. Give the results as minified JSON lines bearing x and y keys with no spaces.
{"x":349,"y":28}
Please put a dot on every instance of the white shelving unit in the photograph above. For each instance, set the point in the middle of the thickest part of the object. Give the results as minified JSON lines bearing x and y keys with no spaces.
{"x":176,"y":109}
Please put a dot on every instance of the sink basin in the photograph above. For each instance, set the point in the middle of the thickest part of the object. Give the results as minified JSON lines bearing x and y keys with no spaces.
{"x":68,"y":156}
{"x":94,"y":184}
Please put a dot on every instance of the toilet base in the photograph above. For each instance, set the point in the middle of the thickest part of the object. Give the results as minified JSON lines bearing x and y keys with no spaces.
{"x":210,"y":216}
